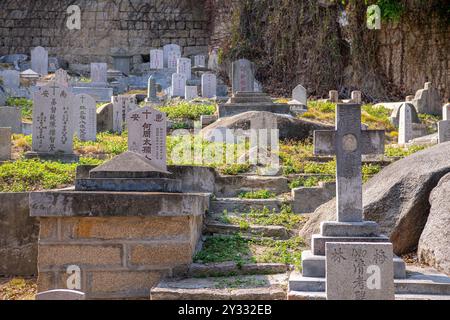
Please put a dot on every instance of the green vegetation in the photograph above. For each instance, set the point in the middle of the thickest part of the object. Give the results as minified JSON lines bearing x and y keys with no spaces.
{"x":25,"y":104}
{"x":397,"y":151}
{"x":107,"y":143}
{"x":259,"y":194}
{"x":179,"y":110}
{"x":236,"y":283}
{"x":310,"y":182}
{"x":281,"y":251}
{"x":234,"y":169}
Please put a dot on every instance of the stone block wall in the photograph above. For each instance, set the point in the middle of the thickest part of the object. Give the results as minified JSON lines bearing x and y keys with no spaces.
{"x":107,"y":26}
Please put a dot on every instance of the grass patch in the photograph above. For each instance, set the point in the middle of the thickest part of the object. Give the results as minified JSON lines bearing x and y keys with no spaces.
{"x":309,"y":182}
{"x":234,"y":169}
{"x":178,"y":110}
{"x":397,"y":151}
{"x":237,"y":283}
{"x":280,"y":251}
{"x":26,"y":106}
{"x":258,"y":194}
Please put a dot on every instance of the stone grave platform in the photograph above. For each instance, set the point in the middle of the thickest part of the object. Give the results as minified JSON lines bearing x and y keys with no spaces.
{"x":242,"y":102}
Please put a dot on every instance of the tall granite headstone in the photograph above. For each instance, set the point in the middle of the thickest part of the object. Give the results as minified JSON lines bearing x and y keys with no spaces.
{"x":85,"y":117}
{"x":156,"y":59}
{"x":243,"y":78}
{"x":405,"y":131}
{"x":184,"y":66}
{"x":39,"y":61}
{"x":151,"y":90}
{"x":178,"y":85}
{"x":174,"y":51}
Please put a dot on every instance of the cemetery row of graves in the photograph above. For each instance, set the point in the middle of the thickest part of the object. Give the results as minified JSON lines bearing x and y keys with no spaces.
{"x":188,"y":189}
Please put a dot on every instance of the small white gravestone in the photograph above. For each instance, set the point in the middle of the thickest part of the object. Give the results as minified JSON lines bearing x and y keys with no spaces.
{"x":122,"y":104}
{"x":356,"y":97}
{"x":299,"y":95}
{"x":39,"y":61}
{"x":5,"y":144}
{"x":99,"y":74}
{"x":171,"y":49}
{"x":444,"y":131}
{"x":53,"y":123}
{"x":184,"y":67}
{"x":85,"y":117}
{"x":191,"y":93}
{"x":156,"y":59}
{"x":11,"y":79}
{"x":199,"y":61}
{"x":446,"y":112}
{"x":333,"y":96}
{"x":209,"y":85}
{"x":359,"y":271}
{"x":172,"y":60}
{"x":62,"y":78}
{"x":405,"y":131}
{"x":178,"y":85}
{"x":147,"y":129}
{"x":243,"y":78}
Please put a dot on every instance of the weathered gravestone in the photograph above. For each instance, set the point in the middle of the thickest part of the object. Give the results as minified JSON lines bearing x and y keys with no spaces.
{"x":53,"y":123}
{"x":85,"y":116}
{"x":299,"y":96}
{"x":5,"y":144}
{"x":122,"y":104}
{"x":156,"y":59}
{"x":209,"y":85}
{"x":199,"y":61}
{"x":11,"y":117}
{"x":428,"y":100}
{"x":99,"y":74}
{"x":147,"y":129}
{"x":171,"y":51}
{"x":446,"y":112}
{"x":39,"y":60}
{"x":11,"y":79}
{"x":61,"y":78}
{"x":405,"y":131}
{"x":191,"y":93}
{"x":122,"y":61}
{"x":151,"y":90}
{"x":178,"y":85}
{"x":242,"y":75}
{"x":213,"y":60}
{"x":61,"y":294}
{"x":356,"y":97}
{"x":444,"y":131}
{"x":359,"y":271}
{"x":184,"y":67}
{"x":333,"y":96}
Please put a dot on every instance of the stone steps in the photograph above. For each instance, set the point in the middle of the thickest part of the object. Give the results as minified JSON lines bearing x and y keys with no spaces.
{"x":251,"y":287}
{"x":299,"y":295}
{"x":232,"y":186}
{"x":276,"y":232}
{"x":220,"y":205}
{"x":204,"y":270}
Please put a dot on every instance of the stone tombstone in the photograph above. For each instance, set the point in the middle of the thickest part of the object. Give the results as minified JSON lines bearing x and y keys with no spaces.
{"x":348,"y":142}
{"x":178,"y":85}
{"x":85,"y":117}
{"x":405,"y":124}
{"x":333,"y":96}
{"x":209,"y":85}
{"x":122,"y":105}
{"x":191,"y":93}
{"x":61,"y":295}
{"x":176,"y":52}
{"x":53,"y":123}
{"x":444,"y":131}
{"x":122,"y":62}
{"x":199,"y":61}
{"x":151,"y":90}
{"x":11,"y":117}
{"x":62,"y":78}
{"x":356,"y":97}
{"x":243,"y":78}
{"x":11,"y":79}
{"x":184,"y":66}
{"x":446,"y":112}
{"x":428,"y":100}
{"x":359,"y":271}
{"x":99,"y":73}
{"x":213,"y":60}
{"x":172,"y":60}
{"x":156,"y":59}
{"x":147,"y":129}
{"x":39,"y":61}
{"x":5,"y":144}
{"x":299,"y":94}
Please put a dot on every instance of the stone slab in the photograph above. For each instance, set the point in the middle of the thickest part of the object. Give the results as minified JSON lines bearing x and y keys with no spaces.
{"x":318,"y":241}
{"x":62,"y":157}
{"x":137,"y":185}
{"x":229,"y":110}
{"x":5,"y":144}
{"x":349,"y":229}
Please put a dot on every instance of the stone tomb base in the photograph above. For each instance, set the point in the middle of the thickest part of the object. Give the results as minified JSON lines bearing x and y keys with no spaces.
{"x":63,"y":157}
{"x":123,"y":242}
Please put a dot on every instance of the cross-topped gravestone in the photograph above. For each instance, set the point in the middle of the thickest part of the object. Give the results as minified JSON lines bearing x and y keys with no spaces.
{"x":147,"y":131}
{"x":85,"y":117}
{"x":122,"y":104}
{"x":348,"y":142}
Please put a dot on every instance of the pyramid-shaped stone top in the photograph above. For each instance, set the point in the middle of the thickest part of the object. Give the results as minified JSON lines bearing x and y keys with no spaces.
{"x":128,"y":165}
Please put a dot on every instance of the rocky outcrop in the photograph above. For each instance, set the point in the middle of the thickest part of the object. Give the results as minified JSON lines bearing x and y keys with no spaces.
{"x":434,"y":244}
{"x":397,"y":198}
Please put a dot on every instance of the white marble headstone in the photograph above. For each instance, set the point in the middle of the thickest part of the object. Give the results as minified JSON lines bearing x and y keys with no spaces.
{"x":209,"y":85}
{"x":444,"y":131}
{"x":53,"y":123}
{"x":122,"y":105}
{"x":176,"y":52}
{"x":184,"y":66}
{"x":172,"y":59}
{"x":85,"y":117}
{"x":147,"y":129}
{"x":156,"y":59}
{"x":405,"y":131}
{"x":191,"y":92}
{"x":39,"y":60}
{"x":356,"y":97}
{"x":178,"y":85}
{"x":99,"y":73}
{"x":446,"y":112}
{"x":299,"y":94}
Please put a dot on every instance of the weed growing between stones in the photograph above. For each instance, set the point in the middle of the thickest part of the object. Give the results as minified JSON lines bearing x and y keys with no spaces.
{"x":257,"y":194}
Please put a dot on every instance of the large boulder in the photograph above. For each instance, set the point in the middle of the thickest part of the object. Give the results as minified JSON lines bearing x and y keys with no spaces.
{"x":289,"y":126}
{"x":434,"y":244}
{"x":397,"y":197}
